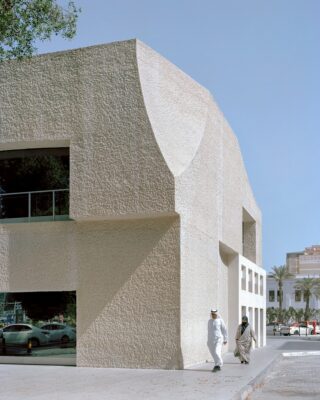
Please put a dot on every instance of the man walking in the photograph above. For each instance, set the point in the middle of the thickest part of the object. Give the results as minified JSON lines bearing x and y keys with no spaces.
{"x":217,"y":336}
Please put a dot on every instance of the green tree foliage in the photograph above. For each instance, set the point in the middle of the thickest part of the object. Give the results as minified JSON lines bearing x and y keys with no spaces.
{"x":45,"y":305}
{"x":280,"y":274}
{"x":308,"y":286}
{"x":291,"y":314}
{"x":22,"y":22}
{"x":316,"y":290}
{"x":272,"y":315}
{"x":34,"y":170}
{"x":299,"y":314}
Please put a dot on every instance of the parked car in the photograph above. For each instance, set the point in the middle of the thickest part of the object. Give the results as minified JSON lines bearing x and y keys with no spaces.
{"x":274,"y":328}
{"x":22,"y":334}
{"x":60,"y":332}
{"x":296,"y":329}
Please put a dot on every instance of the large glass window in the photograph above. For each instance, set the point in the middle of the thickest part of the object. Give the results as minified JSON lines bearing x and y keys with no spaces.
{"x":34,"y":184}
{"x":38,"y":324}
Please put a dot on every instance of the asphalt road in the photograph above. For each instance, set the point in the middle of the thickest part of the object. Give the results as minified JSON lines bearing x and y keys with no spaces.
{"x":294,"y":378}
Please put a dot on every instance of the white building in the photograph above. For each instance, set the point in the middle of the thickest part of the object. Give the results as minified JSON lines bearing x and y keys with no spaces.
{"x":303,"y":264}
{"x":291,"y":296}
{"x":162,"y":223}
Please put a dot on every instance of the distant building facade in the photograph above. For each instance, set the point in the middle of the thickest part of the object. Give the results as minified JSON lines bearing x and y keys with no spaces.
{"x":301,"y":265}
{"x":305,"y":262}
{"x":291,"y":296}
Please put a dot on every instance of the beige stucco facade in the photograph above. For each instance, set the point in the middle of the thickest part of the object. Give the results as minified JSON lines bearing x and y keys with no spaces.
{"x":160,"y":203}
{"x":306,"y":262}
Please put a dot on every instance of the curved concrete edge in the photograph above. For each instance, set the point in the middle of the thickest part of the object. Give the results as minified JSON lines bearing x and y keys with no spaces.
{"x":176,"y":105}
{"x":258,"y":380}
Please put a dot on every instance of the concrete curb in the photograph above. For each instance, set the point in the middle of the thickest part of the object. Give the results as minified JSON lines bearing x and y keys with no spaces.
{"x":301,"y":353}
{"x":257,"y":381}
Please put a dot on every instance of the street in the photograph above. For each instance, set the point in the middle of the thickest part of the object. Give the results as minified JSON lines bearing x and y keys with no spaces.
{"x":295,"y":377}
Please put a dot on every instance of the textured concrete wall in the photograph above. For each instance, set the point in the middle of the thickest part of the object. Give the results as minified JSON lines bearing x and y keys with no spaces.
{"x":90,"y":98}
{"x":130,"y":305}
{"x":211,"y":190}
{"x":145,"y":141}
{"x":126,"y":274}
{"x":127,"y":287}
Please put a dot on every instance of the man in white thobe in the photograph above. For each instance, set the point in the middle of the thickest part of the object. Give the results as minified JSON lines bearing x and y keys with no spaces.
{"x":217,"y":336}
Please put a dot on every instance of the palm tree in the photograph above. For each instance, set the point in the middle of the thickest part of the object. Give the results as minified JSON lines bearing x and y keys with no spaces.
{"x":316,"y":292}
{"x":272,"y":314}
{"x":279,"y":274}
{"x":307,"y":286}
{"x":292,"y":314}
{"x":299,"y":314}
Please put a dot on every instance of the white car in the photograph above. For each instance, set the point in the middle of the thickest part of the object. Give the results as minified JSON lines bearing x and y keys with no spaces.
{"x":296,"y":330}
{"x":274,"y":328}
{"x":58,"y":332}
{"x":22,"y":334}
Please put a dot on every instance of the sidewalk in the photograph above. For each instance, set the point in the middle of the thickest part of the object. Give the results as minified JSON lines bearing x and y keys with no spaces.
{"x":234,"y":382}
{"x":24,"y":382}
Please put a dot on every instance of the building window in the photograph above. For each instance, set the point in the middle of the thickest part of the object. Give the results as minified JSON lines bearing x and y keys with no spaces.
{"x":297,"y":295}
{"x":256,"y":283}
{"x":250,"y":276}
{"x":243,"y":278}
{"x":34,"y":185}
{"x":271,"y":296}
{"x":261,"y":285}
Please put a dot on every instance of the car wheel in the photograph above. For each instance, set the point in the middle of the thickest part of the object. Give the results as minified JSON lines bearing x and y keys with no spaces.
{"x":296,"y":332}
{"x":65,"y":339}
{"x":35,"y":342}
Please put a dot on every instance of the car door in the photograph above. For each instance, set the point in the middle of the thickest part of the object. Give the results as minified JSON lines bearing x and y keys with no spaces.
{"x":16,"y":334}
{"x":10,"y":334}
{"x":303,"y":329}
{"x":55,"y":331}
{"x":49,"y":328}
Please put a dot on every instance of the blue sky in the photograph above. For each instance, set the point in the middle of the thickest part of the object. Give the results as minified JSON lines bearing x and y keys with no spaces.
{"x":261,"y":61}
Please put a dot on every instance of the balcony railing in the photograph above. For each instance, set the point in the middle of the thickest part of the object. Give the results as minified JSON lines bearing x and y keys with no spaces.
{"x":40,"y":205}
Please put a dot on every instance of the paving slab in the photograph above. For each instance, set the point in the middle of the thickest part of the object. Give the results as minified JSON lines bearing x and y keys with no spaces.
{"x":295,"y":377}
{"x":24,"y":382}
{"x":236,"y":381}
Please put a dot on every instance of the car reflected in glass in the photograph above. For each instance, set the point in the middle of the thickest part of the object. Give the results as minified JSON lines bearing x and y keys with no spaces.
{"x":23,"y":334}
{"x":59,"y":333}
